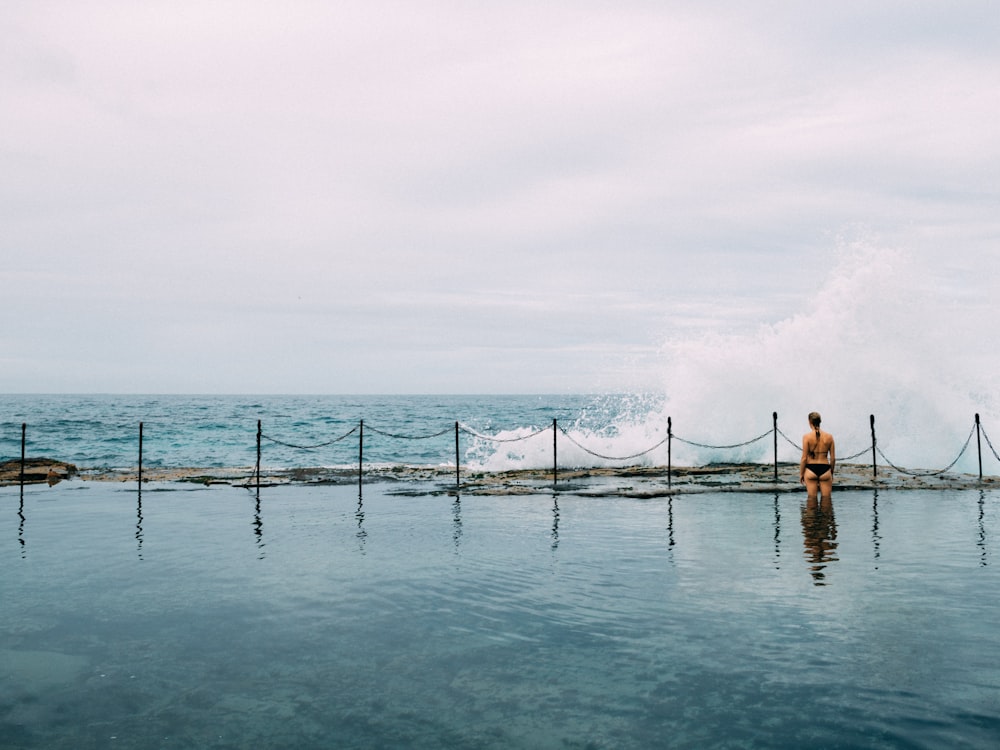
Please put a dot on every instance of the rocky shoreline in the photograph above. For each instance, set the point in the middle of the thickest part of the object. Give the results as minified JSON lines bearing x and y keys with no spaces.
{"x":623,"y":482}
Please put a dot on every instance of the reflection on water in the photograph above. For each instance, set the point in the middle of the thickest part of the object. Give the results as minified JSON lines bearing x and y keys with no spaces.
{"x":138,"y":522}
{"x":555,"y":522}
{"x":670,"y":528}
{"x":876,"y":536}
{"x":258,"y":526}
{"x":982,"y":529}
{"x":608,"y":642}
{"x":777,"y":532}
{"x":456,"y":533}
{"x":819,"y":529}
{"x":20,"y":525}
{"x":359,"y":515}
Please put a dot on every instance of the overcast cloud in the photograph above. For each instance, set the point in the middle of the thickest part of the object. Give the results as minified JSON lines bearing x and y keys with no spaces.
{"x":370,"y":197}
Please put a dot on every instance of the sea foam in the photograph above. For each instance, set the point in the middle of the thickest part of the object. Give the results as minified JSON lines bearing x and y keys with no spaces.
{"x":877,"y":338}
{"x":881,"y":335}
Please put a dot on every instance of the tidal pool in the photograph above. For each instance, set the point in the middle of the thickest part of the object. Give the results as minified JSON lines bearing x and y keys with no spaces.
{"x":304,"y":617}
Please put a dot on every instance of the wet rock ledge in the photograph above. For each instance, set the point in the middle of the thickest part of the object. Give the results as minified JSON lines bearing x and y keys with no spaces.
{"x":640,"y":482}
{"x":36,"y":470}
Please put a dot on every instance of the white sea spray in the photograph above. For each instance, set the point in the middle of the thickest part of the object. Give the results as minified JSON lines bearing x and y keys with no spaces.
{"x":881,"y":335}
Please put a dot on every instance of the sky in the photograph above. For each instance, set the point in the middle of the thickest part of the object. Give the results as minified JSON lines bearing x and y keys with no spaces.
{"x":458,"y":197}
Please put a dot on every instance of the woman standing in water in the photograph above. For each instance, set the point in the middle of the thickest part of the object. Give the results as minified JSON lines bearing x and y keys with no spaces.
{"x":818,"y":459}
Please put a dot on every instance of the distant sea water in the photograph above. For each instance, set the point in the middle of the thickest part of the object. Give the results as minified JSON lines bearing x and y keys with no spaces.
{"x":219,"y":431}
{"x":496,"y":432}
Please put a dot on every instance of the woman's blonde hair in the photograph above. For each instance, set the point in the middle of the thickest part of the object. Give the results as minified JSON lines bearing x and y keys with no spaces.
{"x":814,"y":418}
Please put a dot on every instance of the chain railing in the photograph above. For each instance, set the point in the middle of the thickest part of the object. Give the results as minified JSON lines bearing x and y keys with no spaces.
{"x":458,"y":429}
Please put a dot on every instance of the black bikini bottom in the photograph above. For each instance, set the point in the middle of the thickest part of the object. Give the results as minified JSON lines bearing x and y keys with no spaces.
{"x":818,"y":469}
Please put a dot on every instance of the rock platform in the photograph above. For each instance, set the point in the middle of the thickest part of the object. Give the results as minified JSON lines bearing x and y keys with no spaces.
{"x":640,"y":482}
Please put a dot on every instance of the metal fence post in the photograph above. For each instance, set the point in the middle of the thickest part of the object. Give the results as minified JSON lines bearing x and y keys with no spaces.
{"x":775,"y":446}
{"x":24,"y":432}
{"x":140,"y":456}
{"x":979,"y":448}
{"x":257,"y":468}
{"x":361,"y":452}
{"x":555,"y":459}
{"x":670,"y":440}
{"x":458,"y":480}
{"x":874,"y":462}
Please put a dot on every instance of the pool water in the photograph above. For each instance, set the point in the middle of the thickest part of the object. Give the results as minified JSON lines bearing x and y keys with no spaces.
{"x":307,"y":618}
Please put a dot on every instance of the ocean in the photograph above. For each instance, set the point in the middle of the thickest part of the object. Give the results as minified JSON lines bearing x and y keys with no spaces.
{"x":496,"y":433}
{"x":205,"y":431}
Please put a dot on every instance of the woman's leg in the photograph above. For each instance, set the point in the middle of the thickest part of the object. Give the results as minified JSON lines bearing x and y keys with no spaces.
{"x":812,"y":484}
{"x":826,"y":485}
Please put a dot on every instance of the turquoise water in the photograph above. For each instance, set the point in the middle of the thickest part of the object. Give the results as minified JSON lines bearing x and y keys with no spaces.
{"x":211,"y":431}
{"x":497,"y":433}
{"x":209,"y":617}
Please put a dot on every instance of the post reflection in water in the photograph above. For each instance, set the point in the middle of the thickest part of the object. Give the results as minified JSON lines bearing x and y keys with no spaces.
{"x":981,"y":543}
{"x":138,"y":523}
{"x":670,"y":528}
{"x":456,"y":533}
{"x":555,"y":522}
{"x":777,"y":533}
{"x":876,"y":536}
{"x":20,"y":526}
{"x":362,"y":535}
{"x":258,"y":527}
{"x":819,"y":530}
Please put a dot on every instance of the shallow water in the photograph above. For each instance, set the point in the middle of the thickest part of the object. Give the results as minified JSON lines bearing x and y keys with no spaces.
{"x":206,"y":617}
